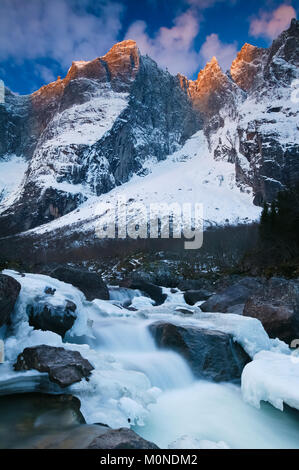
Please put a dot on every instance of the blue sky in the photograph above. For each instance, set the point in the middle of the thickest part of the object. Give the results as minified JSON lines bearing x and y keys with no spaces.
{"x":40,"y":38}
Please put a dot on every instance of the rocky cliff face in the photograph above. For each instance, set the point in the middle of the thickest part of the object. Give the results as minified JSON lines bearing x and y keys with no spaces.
{"x":108,"y":118}
{"x":251,"y":118}
{"x":92,"y":131}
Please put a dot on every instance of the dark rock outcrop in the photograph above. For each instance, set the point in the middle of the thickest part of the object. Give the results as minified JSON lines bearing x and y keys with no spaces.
{"x":211,"y":354}
{"x":153,"y":291}
{"x":236,"y":294}
{"x":64,"y":367}
{"x":91,"y":284}
{"x":9,"y":291}
{"x":121,"y":438}
{"x":193,"y":296}
{"x":277,"y":307}
{"x":46,"y":317}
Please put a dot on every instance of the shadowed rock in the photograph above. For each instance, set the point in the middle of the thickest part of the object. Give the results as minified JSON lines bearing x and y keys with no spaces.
{"x":277,"y":307}
{"x":122,"y":438}
{"x":9,"y":291}
{"x":91,"y":284}
{"x":193,"y":296}
{"x":226,"y":299}
{"x":211,"y":354}
{"x":63,"y":366}
{"x":46,"y":317}
{"x":153,"y":291}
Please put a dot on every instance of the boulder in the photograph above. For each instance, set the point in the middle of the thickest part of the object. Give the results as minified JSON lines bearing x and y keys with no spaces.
{"x":236,"y":294}
{"x":46,"y":317}
{"x":9,"y":291}
{"x":193,"y":296}
{"x":197,"y":284}
{"x":91,"y":284}
{"x":211,"y":354}
{"x":153,"y":291}
{"x":277,"y":307}
{"x":49,"y":290}
{"x":63,"y":366}
{"x":122,"y":438}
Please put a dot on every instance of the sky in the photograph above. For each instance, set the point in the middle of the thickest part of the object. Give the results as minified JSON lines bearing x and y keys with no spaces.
{"x":39,"y":39}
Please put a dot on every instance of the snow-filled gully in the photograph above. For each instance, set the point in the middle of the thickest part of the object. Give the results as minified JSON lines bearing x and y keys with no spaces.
{"x":134,"y":383}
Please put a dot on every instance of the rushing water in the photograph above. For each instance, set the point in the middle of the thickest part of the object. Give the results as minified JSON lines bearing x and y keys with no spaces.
{"x":197,"y":411}
{"x":202,"y":410}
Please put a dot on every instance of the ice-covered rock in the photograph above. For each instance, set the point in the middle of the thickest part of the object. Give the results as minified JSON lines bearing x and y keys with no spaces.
{"x":211,"y":354}
{"x":272,"y":377}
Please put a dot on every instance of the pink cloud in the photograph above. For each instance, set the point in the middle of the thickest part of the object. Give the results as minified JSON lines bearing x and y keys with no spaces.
{"x":209,"y":3}
{"x":224,"y":53}
{"x":170,"y":47}
{"x":271,"y":24}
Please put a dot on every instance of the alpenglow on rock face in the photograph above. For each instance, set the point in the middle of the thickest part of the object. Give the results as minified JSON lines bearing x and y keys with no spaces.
{"x":115,"y":116}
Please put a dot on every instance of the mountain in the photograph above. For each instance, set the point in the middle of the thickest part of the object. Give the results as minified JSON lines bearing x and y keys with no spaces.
{"x":121,"y":124}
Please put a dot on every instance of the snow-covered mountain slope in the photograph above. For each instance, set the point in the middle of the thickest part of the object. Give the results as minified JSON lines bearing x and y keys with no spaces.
{"x":112,"y":120}
{"x":12,"y":171}
{"x":189,"y":175}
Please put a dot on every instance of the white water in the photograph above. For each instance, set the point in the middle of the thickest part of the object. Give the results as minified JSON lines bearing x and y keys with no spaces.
{"x":199,"y":409}
{"x":153,"y":389}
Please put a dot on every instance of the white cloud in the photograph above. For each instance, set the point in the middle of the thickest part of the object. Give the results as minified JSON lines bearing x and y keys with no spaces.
{"x":224,"y":53}
{"x":271,"y":24}
{"x":55,"y":29}
{"x":45,"y":73}
{"x":170,"y":47}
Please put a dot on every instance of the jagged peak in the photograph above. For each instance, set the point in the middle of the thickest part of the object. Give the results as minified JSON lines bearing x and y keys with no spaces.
{"x":213,"y":61}
{"x":211,"y":67}
{"x":127,"y":44}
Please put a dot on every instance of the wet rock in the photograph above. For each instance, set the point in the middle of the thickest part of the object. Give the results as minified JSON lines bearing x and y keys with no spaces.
{"x":9,"y":291}
{"x":211,"y":354}
{"x":121,"y":438}
{"x":226,"y":299}
{"x":237,"y":309}
{"x":91,"y":284}
{"x":63,"y":366}
{"x":197,"y":284}
{"x":49,"y":291}
{"x":46,"y":317}
{"x":193,"y":296}
{"x":153,"y":291}
{"x":277,"y":307}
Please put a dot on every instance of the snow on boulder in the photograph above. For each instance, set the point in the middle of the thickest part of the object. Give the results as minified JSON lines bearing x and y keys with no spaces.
{"x":272,"y":377}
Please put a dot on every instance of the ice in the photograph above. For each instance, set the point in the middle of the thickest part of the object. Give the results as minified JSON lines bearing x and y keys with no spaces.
{"x":189,"y":442}
{"x":272,"y":377}
{"x":102,"y":397}
{"x":136,"y":384}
